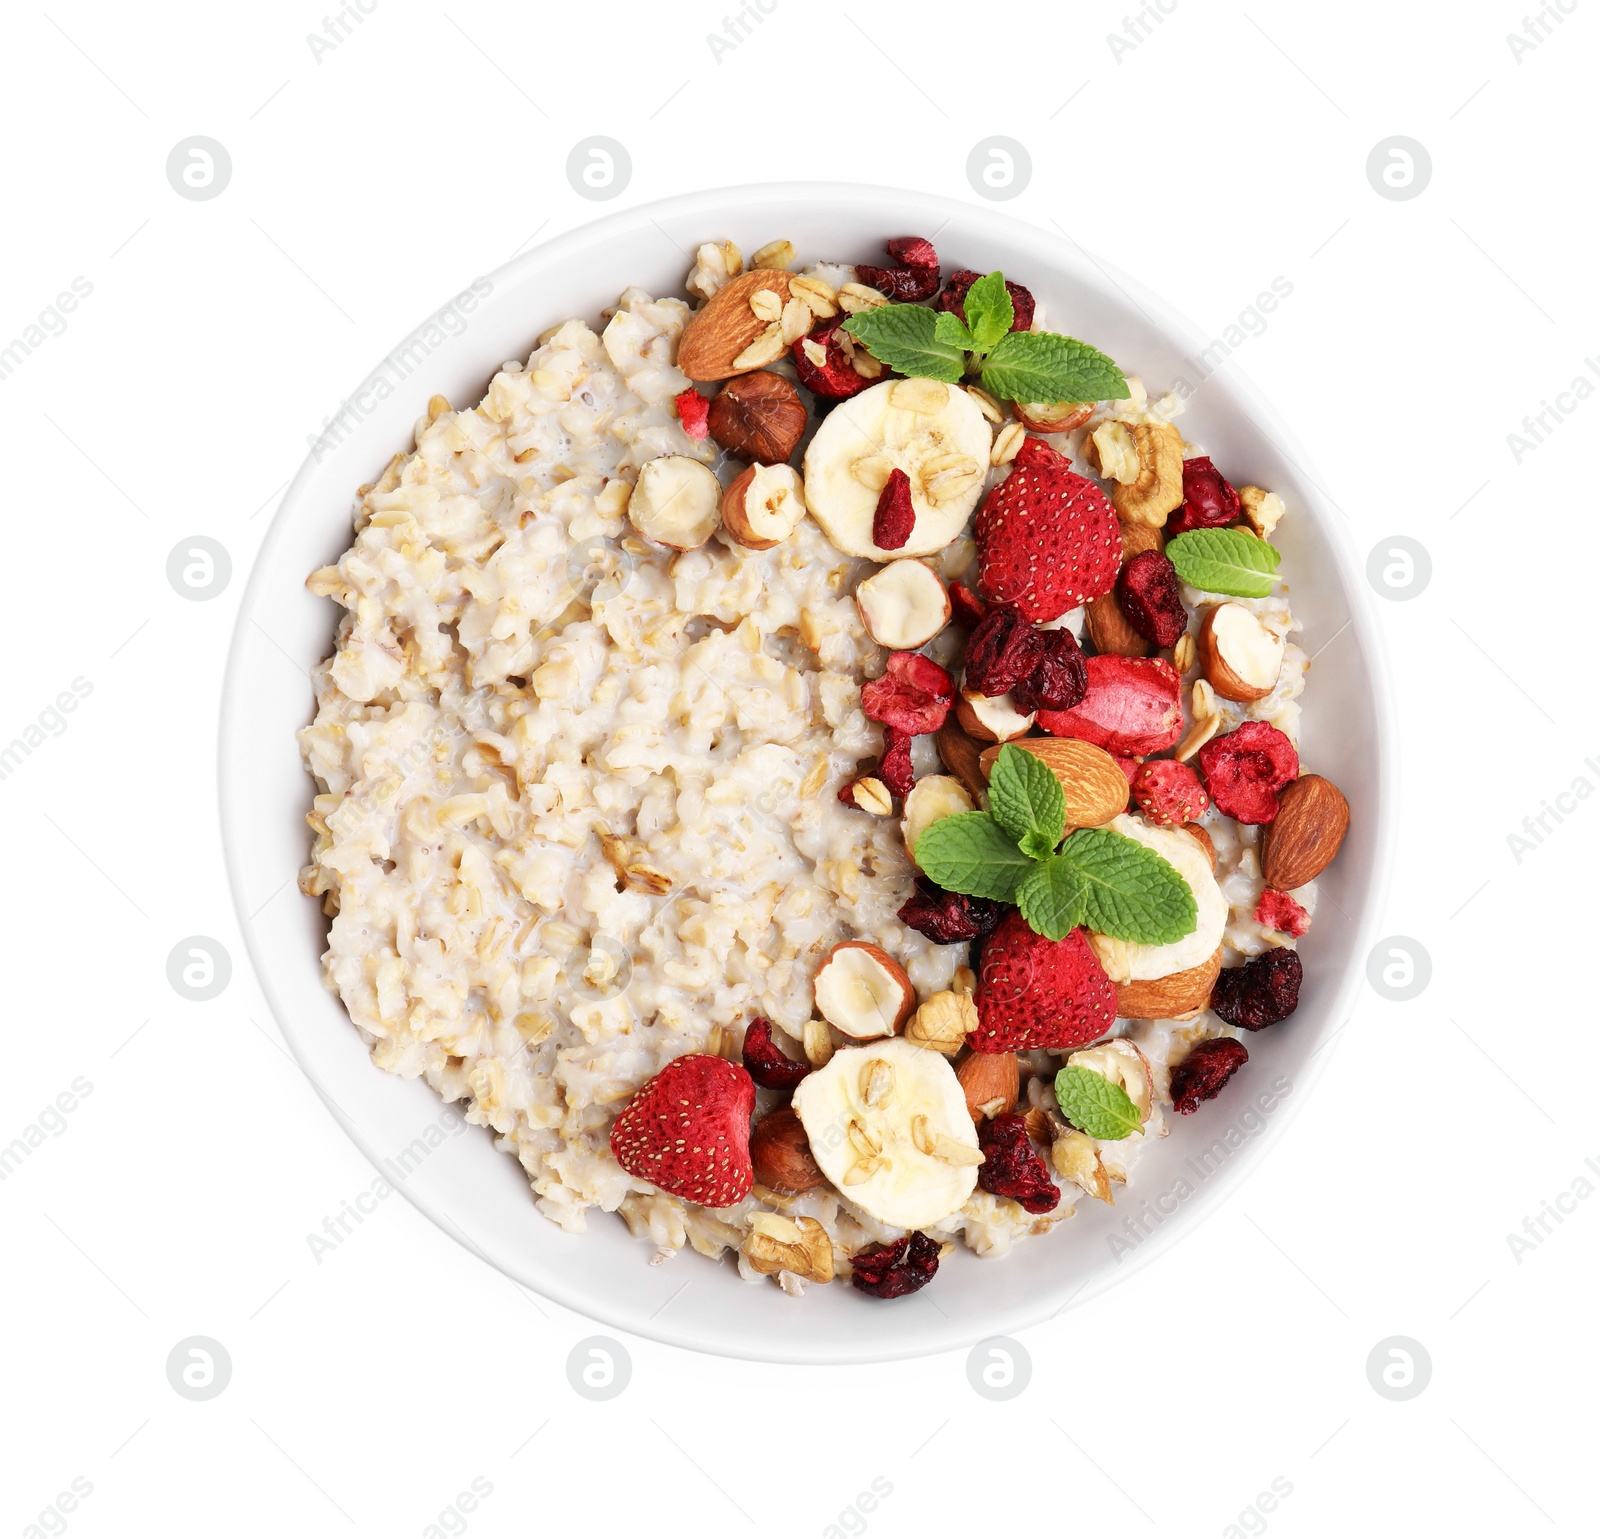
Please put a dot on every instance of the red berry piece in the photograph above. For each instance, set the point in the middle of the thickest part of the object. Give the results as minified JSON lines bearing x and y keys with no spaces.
{"x":835,"y":378}
{"x":1061,"y":678}
{"x":687,"y":1131}
{"x":1168,"y":792}
{"x":1247,"y":769}
{"x":693,"y":411}
{"x":1034,"y":992}
{"x":1209,"y":502}
{"x":894,"y":1270}
{"x":894,"y":768}
{"x":1012,"y":1167}
{"x":1148,"y":591}
{"x":1209,"y":1066}
{"x":895,"y":518}
{"x":913,"y":695}
{"x":766,"y":1063}
{"x":914,"y":276}
{"x":966,"y":608}
{"x":1002,"y":651}
{"x":1278,"y":911}
{"x":948,"y":917}
{"x":1132,"y":706}
{"x":1262,"y":992}
{"x":913,"y":251}
{"x":953,"y":297}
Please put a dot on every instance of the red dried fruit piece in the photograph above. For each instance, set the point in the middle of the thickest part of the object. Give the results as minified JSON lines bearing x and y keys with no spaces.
{"x":1061,"y":678}
{"x":1209,"y":501}
{"x":894,"y":768}
{"x":1132,"y":706}
{"x":1011,"y":1165}
{"x":1047,"y":537}
{"x":1246,"y":769}
{"x":1209,"y":1066}
{"x":915,"y":275}
{"x":1278,"y":911}
{"x":894,"y":1270}
{"x":1034,"y":992}
{"x":894,"y":518}
{"x":766,"y":1063}
{"x":1168,"y":792}
{"x":953,"y":297}
{"x":835,"y":378}
{"x":966,"y":608}
{"x":1129,"y":767}
{"x":693,"y":409}
{"x":1148,"y":592}
{"x":913,"y":251}
{"x":914,"y":694}
{"x":687,"y":1131}
{"x":1262,"y":992}
{"x":1002,"y":651}
{"x":948,"y":917}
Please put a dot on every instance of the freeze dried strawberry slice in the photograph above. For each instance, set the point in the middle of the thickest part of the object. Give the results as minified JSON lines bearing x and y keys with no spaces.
{"x":1132,"y":706}
{"x":894,"y":1270}
{"x":1148,"y":592}
{"x":1168,"y":792}
{"x":1209,"y":501}
{"x":1278,"y":911}
{"x":687,"y":1131}
{"x":894,"y":518}
{"x":953,"y":297}
{"x":913,"y":251}
{"x":1048,"y":539}
{"x":1034,"y":992}
{"x":1059,"y":681}
{"x":1002,"y":651}
{"x":766,"y":1063}
{"x":1012,"y":1167}
{"x":1246,"y":770}
{"x":693,"y":411}
{"x":914,"y":694}
{"x":835,"y":377}
{"x":894,"y":768}
{"x":1209,"y":1066}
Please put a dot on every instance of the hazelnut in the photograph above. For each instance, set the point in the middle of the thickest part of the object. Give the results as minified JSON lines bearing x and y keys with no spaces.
{"x":781,"y":1154}
{"x":763,"y":505}
{"x":758,"y":417}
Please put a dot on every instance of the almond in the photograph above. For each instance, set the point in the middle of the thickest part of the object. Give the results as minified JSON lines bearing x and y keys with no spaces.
{"x":1203,"y":839}
{"x":863,"y":991}
{"x":1297,"y":845}
{"x":961,"y":754}
{"x":1239,"y":656}
{"x":722,"y":330}
{"x":1109,"y":629}
{"x":990,"y":1082}
{"x":781,"y":1154}
{"x":1165,"y":999}
{"x":1092,"y":783}
{"x":763,"y":505}
{"x":990,"y":718}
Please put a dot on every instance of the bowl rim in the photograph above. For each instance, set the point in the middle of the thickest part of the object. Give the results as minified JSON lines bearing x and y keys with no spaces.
{"x":895,"y":204}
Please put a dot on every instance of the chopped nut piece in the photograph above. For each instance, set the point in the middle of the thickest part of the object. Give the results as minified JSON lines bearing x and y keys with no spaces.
{"x":1262,"y":510}
{"x":1158,"y":488}
{"x":1077,"y":1159}
{"x":942,"y":1022}
{"x":1112,"y":450}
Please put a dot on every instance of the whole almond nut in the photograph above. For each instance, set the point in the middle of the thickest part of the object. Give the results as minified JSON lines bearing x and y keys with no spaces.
{"x":1110,"y":631}
{"x":725,"y":326}
{"x":1297,"y":845}
{"x":758,"y":417}
{"x":1092,"y":783}
{"x":990,"y":1082}
{"x":1165,"y":999}
{"x":960,"y":753}
{"x":781,"y":1153}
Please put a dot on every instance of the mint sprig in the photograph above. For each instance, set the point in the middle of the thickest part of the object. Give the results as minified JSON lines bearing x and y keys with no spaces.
{"x":1104,"y":880}
{"x":1027,"y":366}
{"x":1231,"y":561}
{"x":1093,"y":1104}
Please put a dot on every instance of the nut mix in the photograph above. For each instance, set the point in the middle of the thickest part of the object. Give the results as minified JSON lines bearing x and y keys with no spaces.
{"x":901,"y":562}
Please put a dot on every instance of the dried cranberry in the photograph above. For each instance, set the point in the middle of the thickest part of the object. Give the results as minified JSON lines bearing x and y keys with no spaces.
{"x":693,"y":411}
{"x":1209,"y":1066}
{"x":834,"y":378}
{"x":1168,"y":792}
{"x":913,"y":251}
{"x":894,"y":768}
{"x":766,"y":1063}
{"x":915,"y":276}
{"x":892,"y":1271}
{"x":914,"y":694}
{"x":895,"y":517}
{"x":1002,"y":650}
{"x":1246,"y":769}
{"x":947,"y":917}
{"x":1059,"y":681}
{"x":966,"y":608}
{"x":1011,"y":1165}
{"x":1209,"y":502}
{"x":1148,"y":589}
{"x":953,"y":298}
{"x":1278,"y":911}
{"x":1262,"y":992}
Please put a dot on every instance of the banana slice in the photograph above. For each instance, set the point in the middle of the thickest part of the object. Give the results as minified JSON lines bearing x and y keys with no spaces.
{"x":1131,"y":961}
{"x":889,"y":1126}
{"x":934,"y":432}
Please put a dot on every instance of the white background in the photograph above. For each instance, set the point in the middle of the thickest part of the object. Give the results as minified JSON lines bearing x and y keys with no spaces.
{"x":1224,"y":149}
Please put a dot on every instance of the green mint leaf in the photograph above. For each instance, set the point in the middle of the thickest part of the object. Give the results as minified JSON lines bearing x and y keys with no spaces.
{"x":1090,"y":1101}
{"x":1038,"y":846}
{"x":1051,"y":897}
{"x":1130,"y":891}
{"x":903,"y":338}
{"x":989,"y":311}
{"x":1040,"y":366}
{"x":1025,"y":797}
{"x":971,"y":853}
{"x":949,"y":328}
{"x":1231,"y":561}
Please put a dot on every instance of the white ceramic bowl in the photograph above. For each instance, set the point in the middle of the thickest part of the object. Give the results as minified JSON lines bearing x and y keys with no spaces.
{"x":480,"y":1195}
